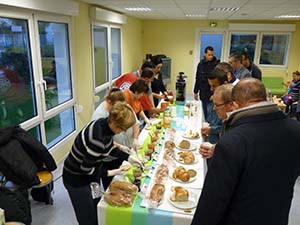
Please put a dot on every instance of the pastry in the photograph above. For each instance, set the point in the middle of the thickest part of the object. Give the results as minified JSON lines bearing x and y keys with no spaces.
{"x":180,"y":194}
{"x":184,"y":144}
{"x":181,"y":173}
{"x":192,"y":172}
{"x":191,"y":134}
{"x":169,"y":144}
{"x":184,"y":176}
{"x":186,"y":157}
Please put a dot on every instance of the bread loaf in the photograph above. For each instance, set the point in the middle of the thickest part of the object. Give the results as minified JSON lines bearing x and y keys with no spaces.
{"x":119,"y":198}
{"x":157,"y":192}
{"x":123,"y":186}
{"x":161,"y":174}
{"x":180,"y":194}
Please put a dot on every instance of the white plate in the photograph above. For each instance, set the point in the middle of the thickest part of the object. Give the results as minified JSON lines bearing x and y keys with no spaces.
{"x":193,"y":147}
{"x":192,"y":179}
{"x":190,"y":204}
{"x":177,"y":158}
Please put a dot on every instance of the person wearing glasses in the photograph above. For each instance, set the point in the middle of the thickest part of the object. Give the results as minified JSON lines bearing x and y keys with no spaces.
{"x":212,"y":132}
{"x":222,"y":106}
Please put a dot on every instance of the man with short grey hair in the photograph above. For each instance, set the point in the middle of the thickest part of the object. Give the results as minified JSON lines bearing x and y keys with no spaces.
{"x":240,"y":72}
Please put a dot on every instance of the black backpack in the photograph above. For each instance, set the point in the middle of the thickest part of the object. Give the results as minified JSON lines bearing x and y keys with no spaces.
{"x":43,"y":194}
{"x":16,"y":205}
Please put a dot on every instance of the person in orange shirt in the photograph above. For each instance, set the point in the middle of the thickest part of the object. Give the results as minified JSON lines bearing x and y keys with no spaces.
{"x":133,"y":96}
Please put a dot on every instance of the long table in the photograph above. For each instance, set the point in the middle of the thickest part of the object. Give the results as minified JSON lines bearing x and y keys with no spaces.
{"x":166,"y":213}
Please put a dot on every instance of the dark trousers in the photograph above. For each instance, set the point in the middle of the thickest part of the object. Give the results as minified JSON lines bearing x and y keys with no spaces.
{"x":204,"y":106}
{"x":84,"y":205}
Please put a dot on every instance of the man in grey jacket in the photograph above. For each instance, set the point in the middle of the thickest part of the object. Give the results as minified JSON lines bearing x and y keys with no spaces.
{"x":240,"y":72}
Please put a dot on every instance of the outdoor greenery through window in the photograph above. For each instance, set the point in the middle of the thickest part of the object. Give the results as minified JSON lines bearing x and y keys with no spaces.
{"x":46,"y":109}
{"x":17,"y":94}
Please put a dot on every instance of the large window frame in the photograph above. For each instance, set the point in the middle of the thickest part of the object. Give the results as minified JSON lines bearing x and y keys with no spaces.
{"x":32,"y":18}
{"x":260,"y":30}
{"x":106,"y":85}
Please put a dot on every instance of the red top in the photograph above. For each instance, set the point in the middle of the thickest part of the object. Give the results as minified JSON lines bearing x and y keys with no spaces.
{"x":125,"y":81}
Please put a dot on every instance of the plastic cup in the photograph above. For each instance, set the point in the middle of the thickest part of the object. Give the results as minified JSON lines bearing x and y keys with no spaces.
{"x":205,"y":124}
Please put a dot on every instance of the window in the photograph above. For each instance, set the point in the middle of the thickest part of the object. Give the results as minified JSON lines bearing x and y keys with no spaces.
{"x":243,"y":43}
{"x":54,"y":48}
{"x":107,"y":57}
{"x":100,"y":55}
{"x":17,"y":94}
{"x":215,"y":40}
{"x":36,"y":76}
{"x":274,"y":49}
{"x":264,"y":49}
{"x":116,"y":52}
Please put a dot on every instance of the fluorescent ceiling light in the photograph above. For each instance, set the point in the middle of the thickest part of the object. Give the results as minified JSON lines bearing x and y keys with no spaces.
{"x":195,"y":15}
{"x":288,"y":16}
{"x":138,"y":9}
{"x":225,"y":9}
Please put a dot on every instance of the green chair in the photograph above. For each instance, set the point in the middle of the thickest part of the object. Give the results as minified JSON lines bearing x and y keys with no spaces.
{"x":275,"y":85}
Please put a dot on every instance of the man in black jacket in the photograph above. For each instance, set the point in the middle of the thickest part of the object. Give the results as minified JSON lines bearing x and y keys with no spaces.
{"x":253,"y":69}
{"x":255,"y":164}
{"x":201,"y":87}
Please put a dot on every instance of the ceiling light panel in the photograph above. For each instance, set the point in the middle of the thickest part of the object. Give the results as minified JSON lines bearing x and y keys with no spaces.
{"x":137,"y":9}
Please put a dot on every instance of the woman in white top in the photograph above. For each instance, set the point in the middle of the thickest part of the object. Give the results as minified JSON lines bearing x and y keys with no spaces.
{"x":128,"y":138}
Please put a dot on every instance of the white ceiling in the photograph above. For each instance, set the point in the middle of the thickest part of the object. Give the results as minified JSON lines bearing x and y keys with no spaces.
{"x":177,"y":9}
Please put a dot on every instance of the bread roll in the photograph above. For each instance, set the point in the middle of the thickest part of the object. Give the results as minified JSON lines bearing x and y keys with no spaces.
{"x":185,"y":144}
{"x":192,"y":172}
{"x":186,"y":157}
{"x":184,"y":176}
{"x":123,"y":186}
{"x":180,"y":194}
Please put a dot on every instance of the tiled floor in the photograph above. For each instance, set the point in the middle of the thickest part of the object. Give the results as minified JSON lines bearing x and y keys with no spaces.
{"x":61,"y":212}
